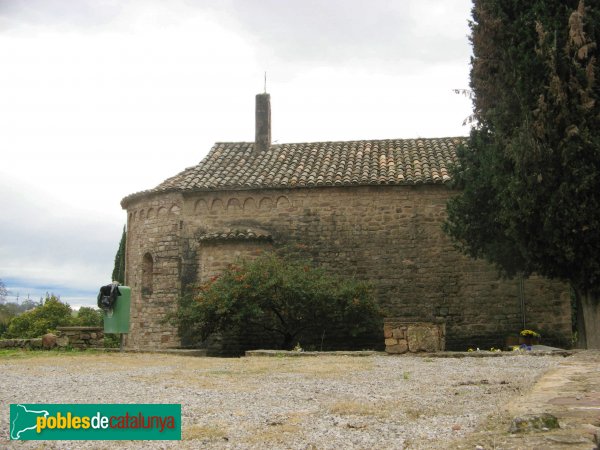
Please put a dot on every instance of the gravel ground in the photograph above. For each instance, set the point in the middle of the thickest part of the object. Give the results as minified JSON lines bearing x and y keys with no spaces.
{"x":327,"y":402}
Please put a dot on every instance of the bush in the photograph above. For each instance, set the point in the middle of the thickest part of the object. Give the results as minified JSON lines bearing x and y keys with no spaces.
{"x":287,"y":299}
{"x":89,"y":317}
{"x":41,"y":320}
{"x":10,"y":310}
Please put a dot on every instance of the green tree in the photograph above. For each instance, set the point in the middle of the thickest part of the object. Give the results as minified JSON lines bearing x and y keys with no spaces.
{"x":41,"y":320}
{"x":3,"y":292}
{"x":530,"y":176}
{"x":10,"y":310}
{"x":28,"y":304}
{"x":89,"y":317}
{"x":287,"y":298}
{"x":6,"y":315}
{"x":119,"y":269}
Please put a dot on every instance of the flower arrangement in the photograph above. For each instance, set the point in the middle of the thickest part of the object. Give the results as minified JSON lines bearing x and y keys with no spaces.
{"x":530,"y":333}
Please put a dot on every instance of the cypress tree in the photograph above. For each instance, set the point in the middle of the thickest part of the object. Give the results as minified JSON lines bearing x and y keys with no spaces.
{"x":119,"y":269}
{"x":530,"y":176}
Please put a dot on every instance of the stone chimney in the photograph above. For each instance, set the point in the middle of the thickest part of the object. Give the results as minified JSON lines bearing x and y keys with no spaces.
{"x":262,"y":139}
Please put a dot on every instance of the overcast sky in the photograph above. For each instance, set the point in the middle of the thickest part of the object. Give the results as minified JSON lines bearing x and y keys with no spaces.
{"x":103,"y":98}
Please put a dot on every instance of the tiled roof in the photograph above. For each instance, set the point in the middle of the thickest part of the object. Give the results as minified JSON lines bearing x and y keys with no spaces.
{"x":237,"y":235}
{"x":233,"y":165}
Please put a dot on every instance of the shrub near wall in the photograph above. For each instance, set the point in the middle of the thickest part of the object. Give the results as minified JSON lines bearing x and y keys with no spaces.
{"x":279,"y":301}
{"x":40,"y":320}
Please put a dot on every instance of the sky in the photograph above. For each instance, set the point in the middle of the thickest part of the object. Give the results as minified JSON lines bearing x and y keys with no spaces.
{"x":103,"y":98}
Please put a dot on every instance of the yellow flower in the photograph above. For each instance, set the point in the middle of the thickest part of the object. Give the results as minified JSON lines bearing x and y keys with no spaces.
{"x":530,"y":333}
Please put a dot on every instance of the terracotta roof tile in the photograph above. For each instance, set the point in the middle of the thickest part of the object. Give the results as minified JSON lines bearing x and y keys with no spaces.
{"x":232,"y":165}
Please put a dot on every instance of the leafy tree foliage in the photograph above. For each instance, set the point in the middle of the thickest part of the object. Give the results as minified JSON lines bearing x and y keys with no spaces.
{"x":6,"y":314}
{"x":33,"y":319}
{"x":530,"y":176}
{"x":283,"y":297}
{"x":10,"y":310}
{"x":89,"y":317}
{"x":3,"y":292}
{"x":28,"y":304}
{"x":119,"y":269}
{"x":41,"y":320}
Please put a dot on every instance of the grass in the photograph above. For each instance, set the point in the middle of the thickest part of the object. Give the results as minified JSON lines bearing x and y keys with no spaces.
{"x":203,"y":433}
{"x":379,"y":410}
{"x":20,"y":353}
{"x":322,"y":367}
{"x":242,"y":375}
{"x":354,"y":408}
{"x":278,"y":430}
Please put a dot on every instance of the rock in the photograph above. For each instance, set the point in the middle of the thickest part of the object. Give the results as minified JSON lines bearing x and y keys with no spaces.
{"x":391,"y":341}
{"x":399,"y":333}
{"x":62,"y":341}
{"x":36,"y":343}
{"x":423,"y":339}
{"x":534,"y":422}
{"x":401,"y":347}
{"x":48,"y":341}
{"x":568,"y":439}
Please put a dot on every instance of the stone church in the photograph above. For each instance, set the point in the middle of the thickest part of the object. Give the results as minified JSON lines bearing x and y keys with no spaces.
{"x":371,"y":209}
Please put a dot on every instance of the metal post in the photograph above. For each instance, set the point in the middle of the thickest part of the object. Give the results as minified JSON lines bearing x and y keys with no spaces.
{"x":522,"y":299}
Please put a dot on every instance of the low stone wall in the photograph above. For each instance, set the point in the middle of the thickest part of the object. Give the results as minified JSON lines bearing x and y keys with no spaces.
{"x":73,"y":337}
{"x":21,"y":343}
{"x":80,"y":337}
{"x":402,"y":336}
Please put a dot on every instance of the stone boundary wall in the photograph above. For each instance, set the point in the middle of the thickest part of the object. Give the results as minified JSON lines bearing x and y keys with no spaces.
{"x":402,"y":336}
{"x":30,"y":344}
{"x":74,"y":337}
{"x":80,"y":337}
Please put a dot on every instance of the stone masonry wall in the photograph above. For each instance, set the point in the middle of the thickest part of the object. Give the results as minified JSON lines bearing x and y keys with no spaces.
{"x":154,"y":229}
{"x":30,"y":344}
{"x":413,"y":337}
{"x":80,"y":337}
{"x":390,"y":235}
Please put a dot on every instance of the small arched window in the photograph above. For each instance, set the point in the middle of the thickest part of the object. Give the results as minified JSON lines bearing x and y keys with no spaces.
{"x":147,"y":274}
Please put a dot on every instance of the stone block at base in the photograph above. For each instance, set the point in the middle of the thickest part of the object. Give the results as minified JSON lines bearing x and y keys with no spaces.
{"x":80,"y":337}
{"x":413,"y":337}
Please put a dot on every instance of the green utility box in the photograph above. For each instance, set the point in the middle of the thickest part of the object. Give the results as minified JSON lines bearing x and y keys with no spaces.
{"x":117,"y":320}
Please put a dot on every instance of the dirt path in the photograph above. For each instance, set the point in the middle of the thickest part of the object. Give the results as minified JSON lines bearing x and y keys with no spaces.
{"x":570,"y":391}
